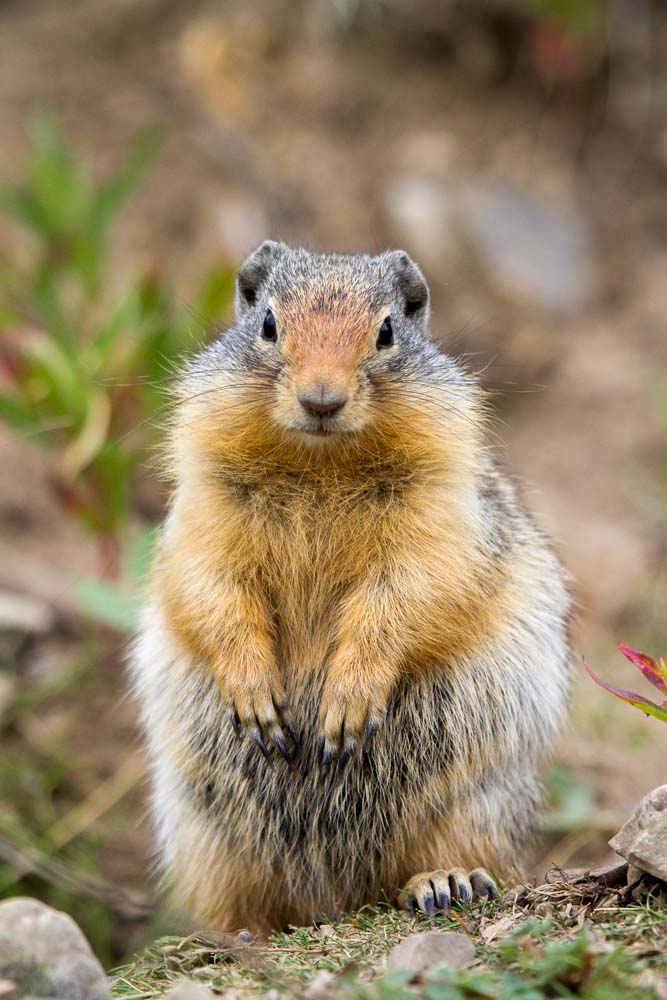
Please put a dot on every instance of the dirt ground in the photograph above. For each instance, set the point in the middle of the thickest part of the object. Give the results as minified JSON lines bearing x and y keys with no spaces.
{"x":348,"y":132}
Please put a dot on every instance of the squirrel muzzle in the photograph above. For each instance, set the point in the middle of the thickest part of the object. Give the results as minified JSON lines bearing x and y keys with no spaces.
{"x":323,"y":402}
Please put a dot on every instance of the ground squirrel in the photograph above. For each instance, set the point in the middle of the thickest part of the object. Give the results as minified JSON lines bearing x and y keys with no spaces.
{"x":354,"y":655}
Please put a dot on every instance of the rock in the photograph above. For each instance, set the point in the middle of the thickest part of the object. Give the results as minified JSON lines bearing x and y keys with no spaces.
{"x":44,"y":952}
{"x":607,"y":877}
{"x":610,"y":876}
{"x":634,"y":875}
{"x":431,"y":950}
{"x":643,"y":839}
{"x":648,"y":886}
{"x":324,"y":985}
{"x":654,"y":984}
{"x":188,"y":989}
{"x":529,"y":250}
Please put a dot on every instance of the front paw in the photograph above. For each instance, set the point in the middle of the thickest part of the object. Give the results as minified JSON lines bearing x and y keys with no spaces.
{"x":431,"y":891}
{"x":257,"y":706}
{"x":349,"y":716}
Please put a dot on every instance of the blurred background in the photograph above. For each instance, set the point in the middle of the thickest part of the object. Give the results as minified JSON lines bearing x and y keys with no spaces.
{"x":517,"y":148}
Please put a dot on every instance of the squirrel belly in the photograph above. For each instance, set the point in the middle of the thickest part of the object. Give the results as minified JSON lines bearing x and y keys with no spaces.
{"x":354,"y":658}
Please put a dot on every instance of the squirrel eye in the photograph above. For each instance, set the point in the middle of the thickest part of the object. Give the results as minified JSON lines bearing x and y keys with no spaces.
{"x":269,"y":328}
{"x":385,"y":335}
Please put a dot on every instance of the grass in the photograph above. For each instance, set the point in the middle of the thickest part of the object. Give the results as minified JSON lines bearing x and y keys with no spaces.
{"x":618,"y":952}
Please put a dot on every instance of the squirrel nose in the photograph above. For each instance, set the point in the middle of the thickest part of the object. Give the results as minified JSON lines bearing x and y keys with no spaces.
{"x":322,"y":401}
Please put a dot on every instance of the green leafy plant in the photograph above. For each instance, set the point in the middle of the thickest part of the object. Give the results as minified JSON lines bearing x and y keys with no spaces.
{"x":655,"y":672}
{"x":83,"y":368}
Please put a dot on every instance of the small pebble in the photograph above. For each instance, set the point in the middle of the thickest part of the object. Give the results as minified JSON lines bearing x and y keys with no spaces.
{"x":187,"y":989}
{"x":431,"y":950}
{"x":324,"y":985}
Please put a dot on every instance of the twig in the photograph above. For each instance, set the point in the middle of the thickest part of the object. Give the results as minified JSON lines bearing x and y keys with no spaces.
{"x":128,"y":903}
{"x":99,"y":802}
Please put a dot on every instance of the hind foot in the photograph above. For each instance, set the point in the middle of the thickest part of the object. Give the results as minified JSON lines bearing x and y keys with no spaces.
{"x":431,"y":891}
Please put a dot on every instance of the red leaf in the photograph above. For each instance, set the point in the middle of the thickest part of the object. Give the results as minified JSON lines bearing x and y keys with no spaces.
{"x":649,"y":707}
{"x":647,"y":665}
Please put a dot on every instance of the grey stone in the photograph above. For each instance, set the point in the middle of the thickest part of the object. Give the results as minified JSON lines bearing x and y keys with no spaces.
{"x":529,"y":250}
{"x":46,"y":955}
{"x":634,"y":875}
{"x":188,"y":989}
{"x":643,"y":839}
{"x":324,"y":985}
{"x":431,"y":950}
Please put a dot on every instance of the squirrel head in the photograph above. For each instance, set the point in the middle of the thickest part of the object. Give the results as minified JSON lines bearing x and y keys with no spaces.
{"x":326,"y":350}
{"x":332,"y":327}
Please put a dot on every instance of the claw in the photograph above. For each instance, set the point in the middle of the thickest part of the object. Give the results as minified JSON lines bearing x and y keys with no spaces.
{"x":482,"y":884}
{"x":290,"y":732}
{"x":279,"y":741}
{"x":436,"y":890}
{"x":263,"y":723}
{"x":257,"y":736}
{"x":349,"y":747}
{"x":443,"y":902}
{"x":372,"y":727}
{"x":441,"y":891}
{"x":460,"y":885}
{"x":427,"y":903}
{"x":326,"y":752}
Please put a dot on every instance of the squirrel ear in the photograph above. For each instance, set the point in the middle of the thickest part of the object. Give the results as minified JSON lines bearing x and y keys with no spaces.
{"x":254,"y":272}
{"x":411,"y":283}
